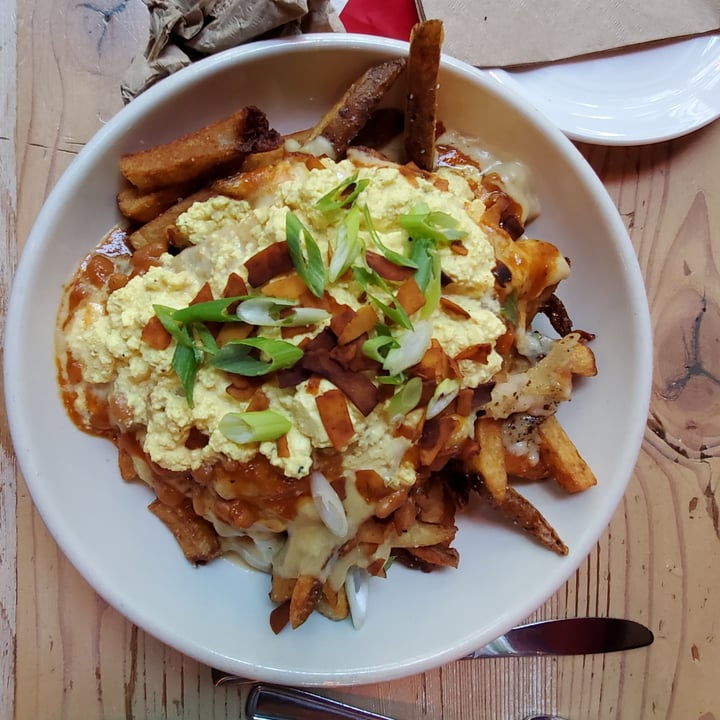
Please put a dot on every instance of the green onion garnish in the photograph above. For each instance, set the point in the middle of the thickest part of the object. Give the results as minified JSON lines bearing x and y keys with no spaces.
{"x":444,"y":394}
{"x":237,"y":356}
{"x":256,"y":426}
{"x":185,"y":363}
{"x":342,"y":195}
{"x":311,"y":270}
{"x":405,"y":399}
{"x":348,"y":244}
{"x":396,"y":312}
{"x":436,"y":225}
{"x":509,"y":308}
{"x":394,"y":257}
{"x":378,"y":347}
{"x":278,"y":312}
{"x":210,"y":311}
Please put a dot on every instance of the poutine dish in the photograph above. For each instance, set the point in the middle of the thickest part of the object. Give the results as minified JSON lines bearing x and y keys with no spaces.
{"x":315,"y":348}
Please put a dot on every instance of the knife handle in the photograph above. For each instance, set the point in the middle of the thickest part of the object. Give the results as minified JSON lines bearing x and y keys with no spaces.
{"x":270,"y":702}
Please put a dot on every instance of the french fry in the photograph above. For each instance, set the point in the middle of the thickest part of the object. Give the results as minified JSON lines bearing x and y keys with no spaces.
{"x":339,"y":126}
{"x":518,"y":509}
{"x":157,"y":230}
{"x":194,"y":534}
{"x":143,"y":207}
{"x":420,"y":108}
{"x":305,"y":597}
{"x":563,"y":459}
{"x":196,"y":154}
{"x":490,"y":461}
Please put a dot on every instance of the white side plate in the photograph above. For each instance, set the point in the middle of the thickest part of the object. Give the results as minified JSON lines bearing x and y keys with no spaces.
{"x":628,"y":98}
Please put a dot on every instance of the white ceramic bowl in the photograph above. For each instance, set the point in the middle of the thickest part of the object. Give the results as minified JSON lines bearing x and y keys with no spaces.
{"x":218,"y":614}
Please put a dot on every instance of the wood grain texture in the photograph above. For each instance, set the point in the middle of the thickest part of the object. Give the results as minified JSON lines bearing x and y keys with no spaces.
{"x":65,"y":653}
{"x":8,"y":259}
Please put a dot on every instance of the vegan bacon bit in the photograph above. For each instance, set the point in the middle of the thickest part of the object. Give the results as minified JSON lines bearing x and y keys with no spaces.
{"x":274,"y":260}
{"x":335,"y":418}
{"x":155,"y":335}
{"x":454,"y":308}
{"x":477,"y":353}
{"x":410,"y":296}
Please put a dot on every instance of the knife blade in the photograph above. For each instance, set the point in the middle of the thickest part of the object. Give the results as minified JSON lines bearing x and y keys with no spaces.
{"x":564,"y":636}
{"x":568,"y":636}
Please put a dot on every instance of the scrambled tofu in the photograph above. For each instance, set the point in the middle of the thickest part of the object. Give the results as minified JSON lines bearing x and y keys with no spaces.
{"x":224,"y":233}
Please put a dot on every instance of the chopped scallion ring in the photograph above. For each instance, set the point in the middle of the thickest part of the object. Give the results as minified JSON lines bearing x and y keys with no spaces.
{"x":310,"y":269}
{"x":258,"y":426}
{"x":405,"y":399}
{"x":235,"y":356}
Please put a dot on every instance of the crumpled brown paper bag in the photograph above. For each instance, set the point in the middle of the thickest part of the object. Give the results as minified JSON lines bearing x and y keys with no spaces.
{"x":183,"y":30}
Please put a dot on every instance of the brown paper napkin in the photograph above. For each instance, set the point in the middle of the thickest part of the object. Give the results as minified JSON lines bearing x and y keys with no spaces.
{"x":497,"y":33}
{"x":184,"y":30}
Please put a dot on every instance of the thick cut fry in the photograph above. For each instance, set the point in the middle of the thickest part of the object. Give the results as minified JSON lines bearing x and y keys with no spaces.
{"x":490,"y":461}
{"x":157,"y":230}
{"x":305,"y":597}
{"x":336,"y":130}
{"x":194,"y":534}
{"x":423,"y":534}
{"x":562,"y":458}
{"x":421,"y":106}
{"x":522,"y":512}
{"x":199,"y":153}
{"x":143,"y":207}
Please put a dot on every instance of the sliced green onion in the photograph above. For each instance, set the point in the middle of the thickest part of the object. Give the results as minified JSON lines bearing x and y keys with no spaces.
{"x":237,"y":357}
{"x":347,"y":246}
{"x":398,"y":379}
{"x":185,"y":363}
{"x":256,"y":426}
{"x":366,"y":279}
{"x":405,"y":399}
{"x":378,"y":347}
{"x":166,"y":317}
{"x":274,"y":312}
{"x":394,"y":257}
{"x":436,"y":225}
{"x":509,"y":308}
{"x":444,"y":394}
{"x":210,"y":311}
{"x":342,"y":195}
{"x":412,"y":345}
{"x":311,"y":270}
{"x":205,"y":340}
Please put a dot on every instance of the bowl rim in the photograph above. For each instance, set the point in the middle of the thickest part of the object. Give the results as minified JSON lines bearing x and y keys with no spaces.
{"x":176,"y":84}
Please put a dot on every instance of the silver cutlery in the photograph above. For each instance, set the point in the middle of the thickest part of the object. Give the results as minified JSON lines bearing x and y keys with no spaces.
{"x":269,"y":702}
{"x":569,"y":636}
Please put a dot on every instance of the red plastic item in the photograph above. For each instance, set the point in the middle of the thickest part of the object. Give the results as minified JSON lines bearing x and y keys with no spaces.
{"x":388,"y":18}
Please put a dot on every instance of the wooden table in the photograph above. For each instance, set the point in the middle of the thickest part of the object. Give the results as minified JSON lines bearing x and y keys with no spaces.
{"x":64,"y":653}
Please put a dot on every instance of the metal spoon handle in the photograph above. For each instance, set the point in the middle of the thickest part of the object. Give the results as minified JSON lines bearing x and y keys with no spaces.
{"x":269,"y":702}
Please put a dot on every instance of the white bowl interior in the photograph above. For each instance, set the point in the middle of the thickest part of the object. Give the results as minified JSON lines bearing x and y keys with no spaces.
{"x":218,"y":613}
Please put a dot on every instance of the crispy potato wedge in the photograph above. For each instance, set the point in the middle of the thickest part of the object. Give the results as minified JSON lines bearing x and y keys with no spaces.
{"x":199,"y":153}
{"x":194,"y":534}
{"x":339,"y":126}
{"x":157,"y":229}
{"x":306,"y":594}
{"x":522,"y":512}
{"x":490,"y":461}
{"x":421,"y":105}
{"x":562,"y":458}
{"x":142,"y":207}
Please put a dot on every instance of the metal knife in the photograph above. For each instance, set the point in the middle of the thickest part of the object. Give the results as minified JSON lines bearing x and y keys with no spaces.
{"x":570,"y":636}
